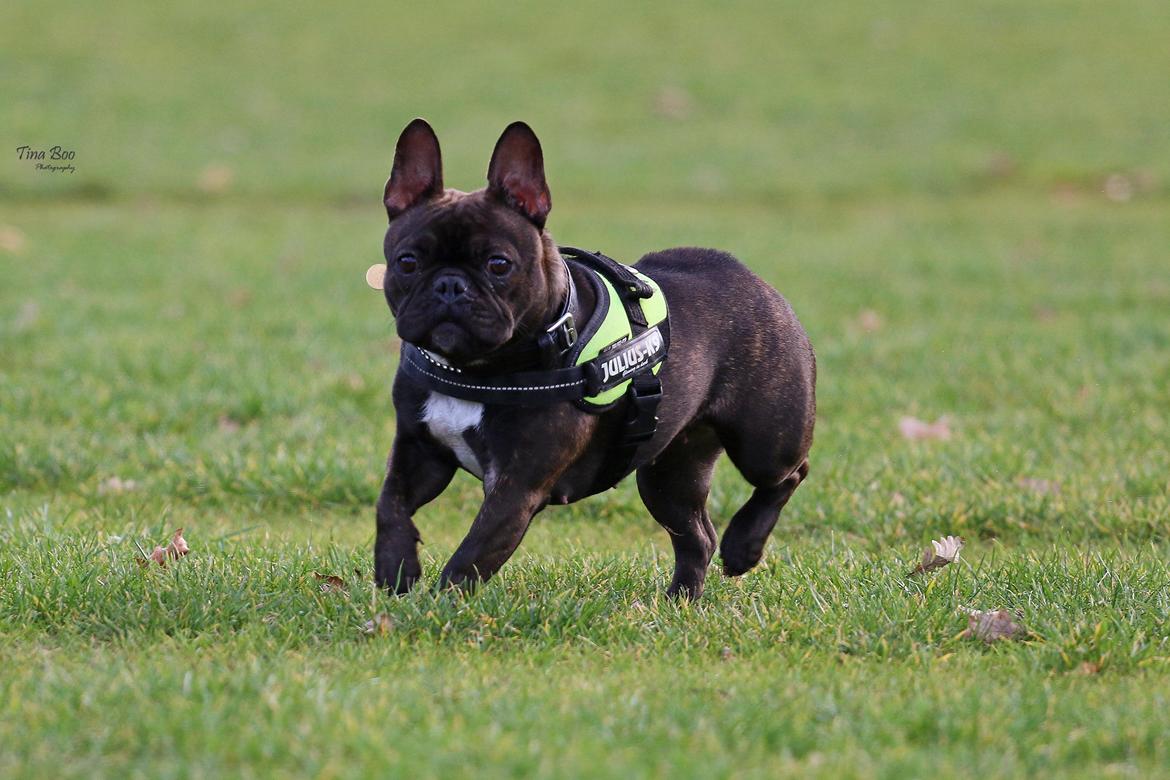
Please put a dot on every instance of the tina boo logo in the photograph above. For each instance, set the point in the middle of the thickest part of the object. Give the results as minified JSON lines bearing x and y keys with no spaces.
{"x":56,"y":159}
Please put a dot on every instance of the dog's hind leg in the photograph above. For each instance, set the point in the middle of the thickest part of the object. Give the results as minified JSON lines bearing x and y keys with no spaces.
{"x":747,"y":533}
{"x":674,"y":488}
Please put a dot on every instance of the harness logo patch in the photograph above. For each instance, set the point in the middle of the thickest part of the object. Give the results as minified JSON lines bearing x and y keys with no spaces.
{"x":632,"y":357}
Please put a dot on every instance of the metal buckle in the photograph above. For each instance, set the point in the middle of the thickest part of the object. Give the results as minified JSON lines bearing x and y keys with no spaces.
{"x":564,"y":330}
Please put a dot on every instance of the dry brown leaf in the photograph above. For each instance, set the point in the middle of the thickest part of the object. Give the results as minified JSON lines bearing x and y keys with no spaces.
{"x":992,"y":626}
{"x":379,"y":626}
{"x":869,"y":321}
{"x":11,"y":239}
{"x":1000,"y":165}
{"x":939,"y":554}
{"x":175,"y":549}
{"x":1044,"y":313}
{"x":918,"y":430}
{"x":117,"y":485}
{"x":178,"y":546}
{"x":1118,"y":187}
{"x":228,"y":424}
{"x":1044,"y":487}
{"x":330,"y":583}
{"x":30,"y":312}
{"x":673,"y":103}
{"x":215,"y":179}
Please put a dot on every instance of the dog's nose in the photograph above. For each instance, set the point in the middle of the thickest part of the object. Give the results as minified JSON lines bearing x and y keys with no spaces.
{"x":449,"y":288}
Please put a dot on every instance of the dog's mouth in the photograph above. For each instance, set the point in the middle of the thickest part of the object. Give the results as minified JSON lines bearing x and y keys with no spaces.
{"x":457,"y":335}
{"x":456,"y":343}
{"x":448,"y":339}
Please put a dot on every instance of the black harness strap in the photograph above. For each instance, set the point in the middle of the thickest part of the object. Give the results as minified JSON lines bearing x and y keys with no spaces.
{"x":522,"y":388}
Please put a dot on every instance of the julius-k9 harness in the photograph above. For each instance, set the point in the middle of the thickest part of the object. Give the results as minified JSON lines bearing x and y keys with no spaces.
{"x":611,"y":359}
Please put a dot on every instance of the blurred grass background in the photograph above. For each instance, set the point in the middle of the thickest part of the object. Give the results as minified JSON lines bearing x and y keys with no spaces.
{"x":966,"y":204}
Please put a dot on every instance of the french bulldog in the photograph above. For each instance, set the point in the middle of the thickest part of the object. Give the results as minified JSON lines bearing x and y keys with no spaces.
{"x":472,"y":277}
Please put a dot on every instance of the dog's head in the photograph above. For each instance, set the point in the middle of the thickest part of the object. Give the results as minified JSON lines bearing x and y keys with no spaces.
{"x":467,"y":273}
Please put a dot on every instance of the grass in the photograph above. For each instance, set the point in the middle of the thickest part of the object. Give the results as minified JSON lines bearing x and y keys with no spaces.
{"x":966,"y":205}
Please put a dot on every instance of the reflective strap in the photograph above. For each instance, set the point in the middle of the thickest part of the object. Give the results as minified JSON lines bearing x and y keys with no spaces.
{"x":524,"y":388}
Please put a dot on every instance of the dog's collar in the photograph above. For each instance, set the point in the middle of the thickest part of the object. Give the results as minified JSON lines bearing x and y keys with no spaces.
{"x":561,"y":334}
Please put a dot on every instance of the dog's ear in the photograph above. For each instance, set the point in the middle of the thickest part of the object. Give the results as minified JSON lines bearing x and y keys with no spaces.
{"x":418,"y":169}
{"x":516,"y":173}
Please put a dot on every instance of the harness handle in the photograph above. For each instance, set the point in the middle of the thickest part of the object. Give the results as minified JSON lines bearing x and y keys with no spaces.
{"x":623,"y":278}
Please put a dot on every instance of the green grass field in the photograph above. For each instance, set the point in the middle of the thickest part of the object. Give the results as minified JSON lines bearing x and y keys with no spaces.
{"x":966,"y":204}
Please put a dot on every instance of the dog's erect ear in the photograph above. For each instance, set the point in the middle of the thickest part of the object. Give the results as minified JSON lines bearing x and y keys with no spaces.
{"x":516,"y":173}
{"x":418,"y":169}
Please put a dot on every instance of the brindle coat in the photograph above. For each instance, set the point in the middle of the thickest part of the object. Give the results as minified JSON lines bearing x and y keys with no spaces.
{"x":471,"y":274}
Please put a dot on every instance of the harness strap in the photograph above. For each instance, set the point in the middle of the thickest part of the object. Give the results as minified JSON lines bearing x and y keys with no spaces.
{"x":522,"y":388}
{"x":619,"y":274}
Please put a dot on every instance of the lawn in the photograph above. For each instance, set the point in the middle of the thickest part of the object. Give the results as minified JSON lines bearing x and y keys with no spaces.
{"x":966,"y":204}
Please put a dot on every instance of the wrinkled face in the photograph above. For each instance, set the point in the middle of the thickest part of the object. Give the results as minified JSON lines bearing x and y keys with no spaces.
{"x":467,"y":273}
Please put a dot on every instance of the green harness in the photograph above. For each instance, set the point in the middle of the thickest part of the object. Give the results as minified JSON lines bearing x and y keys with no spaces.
{"x":614,"y":328}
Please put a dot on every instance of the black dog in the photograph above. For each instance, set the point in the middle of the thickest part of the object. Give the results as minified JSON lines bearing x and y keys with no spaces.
{"x":487,"y":305}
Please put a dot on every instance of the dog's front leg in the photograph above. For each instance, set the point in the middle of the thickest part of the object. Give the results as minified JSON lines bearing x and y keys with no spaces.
{"x":414,"y":476}
{"x":507,"y":510}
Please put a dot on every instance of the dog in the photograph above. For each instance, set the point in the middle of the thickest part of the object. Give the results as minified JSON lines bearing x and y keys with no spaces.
{"x":487,"y":305}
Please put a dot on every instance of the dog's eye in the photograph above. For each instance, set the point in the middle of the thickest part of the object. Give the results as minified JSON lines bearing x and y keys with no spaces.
{"x":499,"y":265}
{"x":407,"y":264}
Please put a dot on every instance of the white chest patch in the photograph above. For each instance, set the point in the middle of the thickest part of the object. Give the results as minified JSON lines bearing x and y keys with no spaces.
{"x":447,"y":419}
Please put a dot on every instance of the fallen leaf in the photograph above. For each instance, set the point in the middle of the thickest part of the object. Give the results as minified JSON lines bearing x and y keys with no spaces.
{"x":1042,"y":486}
{"x":1000,"y":165}
{"x":869,"y":321}
{"x":117,"y":485}
{"x":992,"y":626}
{"x":330,"y":583}
{"x":215,"y":179}
{"x":918,"y":430}
{"x":1044,"y":313}
{"x":11,"y":239}
{"x":30,"y":312}
{"x":1068,"y":193}
{"x":379,"y":626}
{"x":227,"y":424}
{"x":1118,"y":187}
{"x":175,"y":549}
{"x":178,"y":546}
{"x":673,"y":103}
{"x":939,"y":554}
